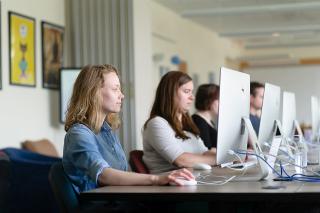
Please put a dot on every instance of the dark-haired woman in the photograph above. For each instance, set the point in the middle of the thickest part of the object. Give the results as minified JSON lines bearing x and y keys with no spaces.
{"x":170,"y":137}
{"x":207,"y":104}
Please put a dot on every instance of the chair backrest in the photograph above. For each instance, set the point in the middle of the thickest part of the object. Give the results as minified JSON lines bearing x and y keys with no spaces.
{"x":136,"y":162}
{"x":43,"y":146}
{"x":4,"y":181}
{"x":63,"y":190}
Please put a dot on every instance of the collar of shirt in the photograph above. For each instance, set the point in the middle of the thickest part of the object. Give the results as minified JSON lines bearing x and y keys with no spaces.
{"x":106,"y":126}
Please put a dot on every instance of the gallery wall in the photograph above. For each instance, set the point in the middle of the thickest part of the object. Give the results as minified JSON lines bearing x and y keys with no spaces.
{"x":29,"y":112}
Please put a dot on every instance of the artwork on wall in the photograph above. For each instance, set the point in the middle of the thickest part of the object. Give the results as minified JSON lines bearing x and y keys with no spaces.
{"x":22,"y":50}
{"x":52,"y":54}
{"x":67,"y":78}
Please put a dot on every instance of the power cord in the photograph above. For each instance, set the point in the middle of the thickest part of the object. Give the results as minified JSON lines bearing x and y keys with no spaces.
{"x":287,"y":177}
{"x":221,"y":182}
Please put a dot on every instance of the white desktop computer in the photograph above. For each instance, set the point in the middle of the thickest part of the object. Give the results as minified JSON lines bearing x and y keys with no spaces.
{"x":234,"y":104}
{"x":270,"y":132}
{"x":290,"y":124}
{"x":293,"y":139}
{"x":270,"y":114}
{"x":234,"y":126}
{"x":288,"y":114}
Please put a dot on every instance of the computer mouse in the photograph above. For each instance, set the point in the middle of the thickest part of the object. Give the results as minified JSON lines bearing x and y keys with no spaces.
{"x":184,"y":182}
{"x":201,"y":166}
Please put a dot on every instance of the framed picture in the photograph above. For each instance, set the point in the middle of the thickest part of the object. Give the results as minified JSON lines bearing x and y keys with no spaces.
{"x":22,"y":50}
{"x":52,"y":54}
{"x":67,"y":78}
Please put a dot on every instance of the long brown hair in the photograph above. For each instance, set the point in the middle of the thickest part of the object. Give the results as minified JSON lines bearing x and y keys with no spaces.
{"x":165,"y":104}
{"x":86,"y":101}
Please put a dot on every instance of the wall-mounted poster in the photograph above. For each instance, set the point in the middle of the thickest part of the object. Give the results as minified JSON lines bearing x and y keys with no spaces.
{"x":22,"y":50}
{"x":52,"y":54}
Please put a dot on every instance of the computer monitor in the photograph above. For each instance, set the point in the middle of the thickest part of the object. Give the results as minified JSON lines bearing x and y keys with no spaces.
{"x":234,"y":104}
{"x":288,"y":114}
{"x":67,"y":78}
{"x":270,"y":113}
{"x":315,"y":116}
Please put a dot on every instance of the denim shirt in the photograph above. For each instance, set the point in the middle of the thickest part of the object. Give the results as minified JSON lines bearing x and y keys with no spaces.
{"x":86,"y":154}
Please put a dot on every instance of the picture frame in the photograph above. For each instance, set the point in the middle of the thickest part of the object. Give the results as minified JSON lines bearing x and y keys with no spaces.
{"x":67,"y":78}
{"x":52,"y":54}
{"x":22,"y":50}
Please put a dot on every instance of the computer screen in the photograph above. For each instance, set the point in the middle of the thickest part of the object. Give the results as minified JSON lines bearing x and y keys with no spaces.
{"x":288,"y":114}
{"x":67,"y":78}
{"x":315,"y":116}
{"x":234,"y":104}
{"x":270,"y":113}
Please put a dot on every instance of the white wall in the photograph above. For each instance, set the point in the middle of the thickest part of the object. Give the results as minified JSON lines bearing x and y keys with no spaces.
{"x":144,"y":83}
{"x":27,"y":112}
{"x":301,"y":80}
{"x":202,"y":49}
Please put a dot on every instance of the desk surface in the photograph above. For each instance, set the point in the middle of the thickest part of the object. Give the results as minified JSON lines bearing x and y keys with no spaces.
{"x":233,"y":191}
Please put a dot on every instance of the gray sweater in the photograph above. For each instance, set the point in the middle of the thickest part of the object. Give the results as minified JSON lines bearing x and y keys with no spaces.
{"x":161,"y":147}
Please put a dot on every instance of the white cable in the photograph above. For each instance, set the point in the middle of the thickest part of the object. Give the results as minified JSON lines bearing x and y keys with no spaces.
{"x":217,"y":183}
{"x":222,"y":182}
{"x":231,"y":152}
{"x":304,"y":168}
{"x":212,"y":175}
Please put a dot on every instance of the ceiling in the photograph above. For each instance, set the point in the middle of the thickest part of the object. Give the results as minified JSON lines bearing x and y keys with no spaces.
{"x":256,"y":24}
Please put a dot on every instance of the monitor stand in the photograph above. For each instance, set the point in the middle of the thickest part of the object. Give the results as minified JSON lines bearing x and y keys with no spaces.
{"x":264,"y":171}
{"x":276,"y":142}
{"x":300,"y":133}
{"x":296,"y":129}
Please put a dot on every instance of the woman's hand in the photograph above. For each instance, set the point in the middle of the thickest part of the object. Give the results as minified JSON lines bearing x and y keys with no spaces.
{"x":173,"y":176}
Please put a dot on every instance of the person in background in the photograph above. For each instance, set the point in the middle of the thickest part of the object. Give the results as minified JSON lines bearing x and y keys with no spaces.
{"x":256,"y":100}
{"x":92,"y":154}
{"x":207,"y":104}
{"x":170,"y":137}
